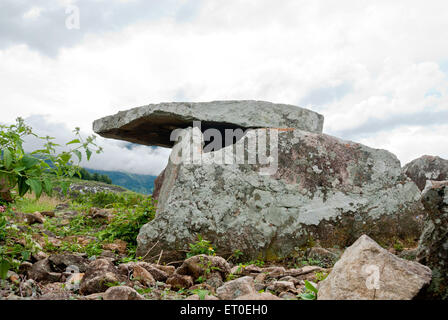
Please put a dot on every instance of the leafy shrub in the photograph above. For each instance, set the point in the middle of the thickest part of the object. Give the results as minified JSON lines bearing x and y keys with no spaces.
{"x":26,"y":172}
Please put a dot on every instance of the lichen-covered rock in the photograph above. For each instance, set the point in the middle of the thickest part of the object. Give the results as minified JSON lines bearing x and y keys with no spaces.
{"x":433,"y":245}
{"x":427,"y":168}
{"x":366,"y":271}
{"x":153,"y":124}
{"x":325,"y":189}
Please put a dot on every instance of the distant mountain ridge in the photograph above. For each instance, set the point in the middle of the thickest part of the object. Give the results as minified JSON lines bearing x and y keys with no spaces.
{"x":140,"y":183}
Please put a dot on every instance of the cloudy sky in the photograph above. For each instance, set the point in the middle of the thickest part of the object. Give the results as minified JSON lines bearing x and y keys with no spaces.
{"x":377,"y":70}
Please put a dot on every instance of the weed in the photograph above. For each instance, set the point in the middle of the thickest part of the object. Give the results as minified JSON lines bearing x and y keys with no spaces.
{"x":201,"y":246}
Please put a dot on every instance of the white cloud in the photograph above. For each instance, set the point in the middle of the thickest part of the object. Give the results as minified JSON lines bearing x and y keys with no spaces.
{"x":365,"y":64}
{"x":117,"y":155}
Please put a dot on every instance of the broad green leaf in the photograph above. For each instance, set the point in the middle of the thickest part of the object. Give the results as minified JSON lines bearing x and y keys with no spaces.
{"x":78,"y":154}
{"x":308,"y":296}
{"x":48,"y":187}
{"x":88,"y":153}
{"x":36,"y":186}
{"x":73,"y":142}
{"x":65,"y":157}
{"x":29,"y":162}
{"x":23,"y":187}
{"x":7,"y":158}
{"x":19,"y":169}
{"x":310,"y":287}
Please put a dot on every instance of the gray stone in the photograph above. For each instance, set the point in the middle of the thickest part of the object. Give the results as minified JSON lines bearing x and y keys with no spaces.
{"x":433,"y":246}
{"x":122,"y":293}
{"x":366,"y":271}
{"x":153,"y":124}
{"x":427,"y":168}
{"x":236,"y":288}
{"x":325,"y":189}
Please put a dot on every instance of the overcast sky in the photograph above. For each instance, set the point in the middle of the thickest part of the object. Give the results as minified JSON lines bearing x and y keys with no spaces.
{"x":377,"y":70}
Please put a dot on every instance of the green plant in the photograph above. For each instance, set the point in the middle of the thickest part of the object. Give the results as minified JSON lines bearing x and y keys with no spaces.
{"x":321,"y":276}
{"x":310,"y":292}
{"x":201,"y":246}
{"x":398,"y":246}
{"x":201,"y":293}
{"x":126,"y":223}
{"x":311,"y":262}
{"x":29,"y":172}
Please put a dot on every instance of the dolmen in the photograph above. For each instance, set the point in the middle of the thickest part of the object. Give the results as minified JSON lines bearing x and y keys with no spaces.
{"x":263,"y":179}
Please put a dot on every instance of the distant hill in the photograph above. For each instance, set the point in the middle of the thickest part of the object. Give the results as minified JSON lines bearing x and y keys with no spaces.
{"x":136,"y":182}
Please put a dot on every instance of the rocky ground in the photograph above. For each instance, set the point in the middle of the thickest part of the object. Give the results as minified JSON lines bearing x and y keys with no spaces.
{"x":70,"y":263}
{"x":67,"y":261}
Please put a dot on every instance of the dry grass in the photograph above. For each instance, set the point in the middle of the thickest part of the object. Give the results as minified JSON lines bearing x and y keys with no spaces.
{"x":29,"y":203}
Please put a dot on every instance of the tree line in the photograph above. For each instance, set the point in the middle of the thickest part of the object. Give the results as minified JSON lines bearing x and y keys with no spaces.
{"x":86,"y":175}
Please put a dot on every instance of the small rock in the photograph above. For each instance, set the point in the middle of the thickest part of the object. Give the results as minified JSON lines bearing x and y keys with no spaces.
{"x":295,"y":281}
{"x":117,"y":246}
{"x":282,"y":286}
{"x":41,"y":272}
{"x":50,"y":214}
{"x":60,"y":262}
{"x":143,"y":276}
{"x":196,"y":297}
{"x":236,"y":288}
{"x":258,"y":296}
{"x":288,"y":296}
{"x":122,"y":293}
{"x":204,"y":266}
{"x":169,"y":270}
{"x":275,"y":272}
{"x":32,"y":218}
{"x":13,"y":277}
{"x":179,"y":281}
{"x":261,"y":277}
{"x":98,"y":274}
{"x":303,"y":271}
{"x":95,"y":296}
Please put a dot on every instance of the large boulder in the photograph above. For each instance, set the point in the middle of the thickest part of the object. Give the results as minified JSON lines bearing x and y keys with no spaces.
{"x":153,"y":124}
{"x":433,"y":245}
{"x":324,"y":189}
{"x":427,"y":168}
{"x":366,"y":271}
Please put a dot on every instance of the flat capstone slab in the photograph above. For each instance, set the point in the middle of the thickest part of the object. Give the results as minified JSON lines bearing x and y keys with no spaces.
{"x":152,"y":124}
